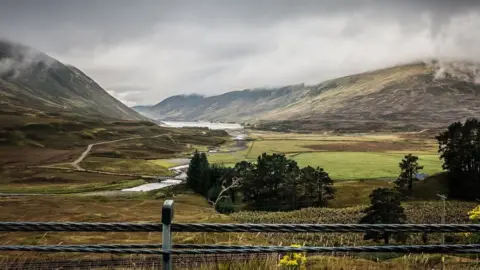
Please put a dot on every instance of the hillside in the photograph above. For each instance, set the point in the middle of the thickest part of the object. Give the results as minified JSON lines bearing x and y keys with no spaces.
{"x":35,"y":83}
{"x":415,"y":96}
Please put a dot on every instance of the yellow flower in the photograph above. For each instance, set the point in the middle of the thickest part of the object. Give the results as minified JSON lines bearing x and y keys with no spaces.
{"x":294,"y":260}
{"x":474,"y":214}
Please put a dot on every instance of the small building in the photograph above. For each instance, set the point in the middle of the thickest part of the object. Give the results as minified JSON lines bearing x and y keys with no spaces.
{"x":421,"y":176}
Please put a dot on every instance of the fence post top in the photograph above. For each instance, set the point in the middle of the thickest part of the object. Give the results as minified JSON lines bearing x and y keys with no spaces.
{"x":167,"y":212}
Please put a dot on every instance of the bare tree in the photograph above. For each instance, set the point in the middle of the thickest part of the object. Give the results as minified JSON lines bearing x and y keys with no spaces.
{"x":236,"y":182}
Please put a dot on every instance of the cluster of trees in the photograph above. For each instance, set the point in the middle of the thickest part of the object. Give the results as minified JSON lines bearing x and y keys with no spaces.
{"x":459,"y":147}
{"x":273,"y":183}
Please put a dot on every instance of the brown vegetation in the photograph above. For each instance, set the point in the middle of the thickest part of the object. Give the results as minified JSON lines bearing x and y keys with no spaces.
{"x":379,"y":146}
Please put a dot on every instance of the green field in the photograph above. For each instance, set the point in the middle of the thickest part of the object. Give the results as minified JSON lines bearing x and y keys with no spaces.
{"x":343,"y":157}
{"x":355,"y":165}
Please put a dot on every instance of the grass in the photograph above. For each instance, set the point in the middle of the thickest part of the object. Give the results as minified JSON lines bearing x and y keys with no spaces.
{"x":258,"y":134}
{"x":339,"y":262}
{"x":358,"y":165}
{"x":61,"y":181}
{"x":165,"y":163}
{"x":284,"y":146}
{"x":315,"y":262}
{"x":69,"y":188}
{"x":345,"y":165}
{"x":63,"y":208}
{"x":352,"y":193}
{"x":344,"y":157}
{"x":134,"y":166}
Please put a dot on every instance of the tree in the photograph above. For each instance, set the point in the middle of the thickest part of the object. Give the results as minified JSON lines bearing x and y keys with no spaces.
{"x":197,"y":173}
{"x":317,"y":187}
{"x":385,"y":208}
{"x":204,"y":175}
{"x":324,"y":187}
{"x":409,"y":169}
{"x":459,"y":147}
{"x":270,"y":185}
{"x":193,"y":172}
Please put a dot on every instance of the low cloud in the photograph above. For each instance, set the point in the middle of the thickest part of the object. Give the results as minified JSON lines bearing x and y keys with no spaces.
{"x":183,"y":47}
{"x":19,"y":59}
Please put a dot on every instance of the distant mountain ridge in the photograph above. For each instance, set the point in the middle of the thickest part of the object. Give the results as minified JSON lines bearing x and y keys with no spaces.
{"x":31,"y":81}
{"x":407,"y":97}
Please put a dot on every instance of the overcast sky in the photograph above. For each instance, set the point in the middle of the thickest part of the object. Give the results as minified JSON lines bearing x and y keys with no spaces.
{"x":143,"y":51}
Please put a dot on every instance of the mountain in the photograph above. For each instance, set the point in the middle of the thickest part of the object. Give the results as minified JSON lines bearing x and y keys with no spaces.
{"x":414,"y":96}
{"x":33,"y":82}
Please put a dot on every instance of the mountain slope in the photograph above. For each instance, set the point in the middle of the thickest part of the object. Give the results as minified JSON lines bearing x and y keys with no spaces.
{"x":408,"y":97}
{"x":31,"y":81}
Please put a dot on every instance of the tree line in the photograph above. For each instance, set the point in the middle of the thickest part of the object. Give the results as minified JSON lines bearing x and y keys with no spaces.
{"x":273,"y":183}
{"x":459,"y":147}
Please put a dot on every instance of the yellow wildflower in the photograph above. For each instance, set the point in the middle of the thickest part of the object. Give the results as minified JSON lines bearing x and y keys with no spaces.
{"x":474,"y":214}
{"x":294,"y":260}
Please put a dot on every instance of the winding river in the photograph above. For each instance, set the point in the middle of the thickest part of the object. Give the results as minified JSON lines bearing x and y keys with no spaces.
{"x":235,"y":130}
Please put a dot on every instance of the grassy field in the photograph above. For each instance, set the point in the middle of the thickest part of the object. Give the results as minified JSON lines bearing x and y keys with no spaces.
{"x":48,"y":181}
{"x":135,"y":166}
{"x":352,"y":193}
{"x":363,"y":165}
{"x":343,"y":157}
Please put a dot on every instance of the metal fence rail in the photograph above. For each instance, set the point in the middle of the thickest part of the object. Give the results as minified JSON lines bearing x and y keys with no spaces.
{"x":220,"y":227}
{"x":166,"y":249}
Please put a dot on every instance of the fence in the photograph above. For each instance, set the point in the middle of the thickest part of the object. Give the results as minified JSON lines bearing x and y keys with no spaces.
{"x":166,"y":249}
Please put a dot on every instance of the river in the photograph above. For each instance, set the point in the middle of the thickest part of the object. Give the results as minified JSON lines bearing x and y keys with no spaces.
{"x":235,"y":130}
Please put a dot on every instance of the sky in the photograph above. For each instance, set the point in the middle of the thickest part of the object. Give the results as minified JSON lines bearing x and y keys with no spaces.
{"x":144,"y":51}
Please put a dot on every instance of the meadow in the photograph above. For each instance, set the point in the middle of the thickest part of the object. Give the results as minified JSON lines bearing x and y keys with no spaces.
{"x":344,"y":157}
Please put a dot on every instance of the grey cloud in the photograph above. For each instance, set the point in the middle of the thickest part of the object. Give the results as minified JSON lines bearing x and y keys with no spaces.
{"x":20,"y":58}
{"x":144,"y":51}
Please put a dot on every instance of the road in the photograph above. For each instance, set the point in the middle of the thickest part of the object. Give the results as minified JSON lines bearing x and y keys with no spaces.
{"x":76,"y":163}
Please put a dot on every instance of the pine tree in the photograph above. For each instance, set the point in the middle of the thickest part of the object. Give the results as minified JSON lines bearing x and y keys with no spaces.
{"x":204,"y":175}
{"x":193,"y":172}
{"x":409,"y":169}
{"x":385,"y":208}
{"x":324,"y":187}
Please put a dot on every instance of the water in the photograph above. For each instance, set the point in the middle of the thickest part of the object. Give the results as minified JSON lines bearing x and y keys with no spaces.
{"x":210,"y":125}
{"x":235,"y":130}
{"x":153,"y":186}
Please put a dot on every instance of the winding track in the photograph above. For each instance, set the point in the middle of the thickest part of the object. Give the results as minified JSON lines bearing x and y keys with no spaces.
{"x":76,"y":163}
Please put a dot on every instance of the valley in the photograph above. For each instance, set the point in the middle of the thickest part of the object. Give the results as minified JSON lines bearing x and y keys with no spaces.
{"x":71,"y":152}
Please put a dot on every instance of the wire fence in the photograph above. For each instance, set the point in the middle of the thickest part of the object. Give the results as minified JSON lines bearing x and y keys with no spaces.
{"x":166,"y":249}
